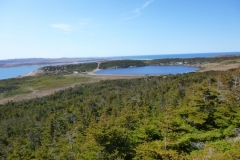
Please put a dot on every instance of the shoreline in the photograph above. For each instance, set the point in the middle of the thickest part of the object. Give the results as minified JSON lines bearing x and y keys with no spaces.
{"x":98,"y":77}
{"x":201,"y":68}
{"x":219,"y":66}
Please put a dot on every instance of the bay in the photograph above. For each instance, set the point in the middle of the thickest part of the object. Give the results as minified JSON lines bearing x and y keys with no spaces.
{"x":152,"y":70}
{"x":11,"y":72}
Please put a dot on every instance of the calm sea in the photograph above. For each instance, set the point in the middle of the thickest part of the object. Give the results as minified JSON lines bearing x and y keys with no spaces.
{"x":195,"y":55}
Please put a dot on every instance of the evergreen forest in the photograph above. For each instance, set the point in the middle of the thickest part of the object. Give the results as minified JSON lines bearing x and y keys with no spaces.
{"x":183,"y":116}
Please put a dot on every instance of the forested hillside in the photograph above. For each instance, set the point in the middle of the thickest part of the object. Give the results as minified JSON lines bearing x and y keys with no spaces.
{"x":192,"y":61}
{"x":121,"y":64}
{"x":70,"y":68}
{"x":169,"y":61}
{"x":187,"y":116}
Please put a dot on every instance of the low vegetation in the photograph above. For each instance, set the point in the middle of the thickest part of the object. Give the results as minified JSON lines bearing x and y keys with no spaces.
{"x":16,"y":86}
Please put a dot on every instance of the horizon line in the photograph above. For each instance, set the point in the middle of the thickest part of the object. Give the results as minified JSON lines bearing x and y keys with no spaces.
{"x":96,"y":57}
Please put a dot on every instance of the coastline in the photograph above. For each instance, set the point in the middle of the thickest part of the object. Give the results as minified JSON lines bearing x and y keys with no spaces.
{"x":93,"y":72}
{"x":223,"y":66}
{"x":33,"y":73}
{"x":202,"y":67}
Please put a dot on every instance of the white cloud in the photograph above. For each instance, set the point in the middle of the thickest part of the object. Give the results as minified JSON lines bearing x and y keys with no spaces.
{"x":81,"y":25}
{"x":69,"y":28}
{"x":137,"y":12}
{"x":62,"y":26}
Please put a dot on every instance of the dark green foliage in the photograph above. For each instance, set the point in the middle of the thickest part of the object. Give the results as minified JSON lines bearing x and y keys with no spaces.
{"x":121,"y":64}
{"x":192,"y":61}
{"x":188,"y":116}
{"x":4,"y":89}
{"x":69,"y":69}
{"x":168,"y":61}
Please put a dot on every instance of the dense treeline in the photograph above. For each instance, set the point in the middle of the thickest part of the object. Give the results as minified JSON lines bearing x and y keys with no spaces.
{"x":121,"y":64}
{"x":192,"y":61}
{"x":167,"y":61}
{"x":188,"y":116}
{"x":8,"y":86}
{"x":70,"y":68}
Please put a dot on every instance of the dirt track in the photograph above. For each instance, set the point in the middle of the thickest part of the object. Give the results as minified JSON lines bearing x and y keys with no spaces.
{"x":36,"y":93}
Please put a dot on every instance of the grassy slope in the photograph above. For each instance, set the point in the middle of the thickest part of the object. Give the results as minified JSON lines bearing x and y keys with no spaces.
{"x":30,"y":84}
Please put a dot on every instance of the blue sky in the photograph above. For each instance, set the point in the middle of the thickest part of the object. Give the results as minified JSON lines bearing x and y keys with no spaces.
{"x":97,"y":28}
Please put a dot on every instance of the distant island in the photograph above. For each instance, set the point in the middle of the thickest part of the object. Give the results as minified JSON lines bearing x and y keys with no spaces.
{"x":171,"y":59}
{"x":44,"y":61}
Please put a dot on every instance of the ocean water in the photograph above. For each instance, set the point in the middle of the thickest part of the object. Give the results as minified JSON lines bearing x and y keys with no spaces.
{"x":156,"y":70}
{"x":6,"y":73}
{"x":195,"y":55}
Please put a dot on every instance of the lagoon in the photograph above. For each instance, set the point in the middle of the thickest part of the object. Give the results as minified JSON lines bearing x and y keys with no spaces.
{"x":12,"y":72}
{"x":154,"y":70}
